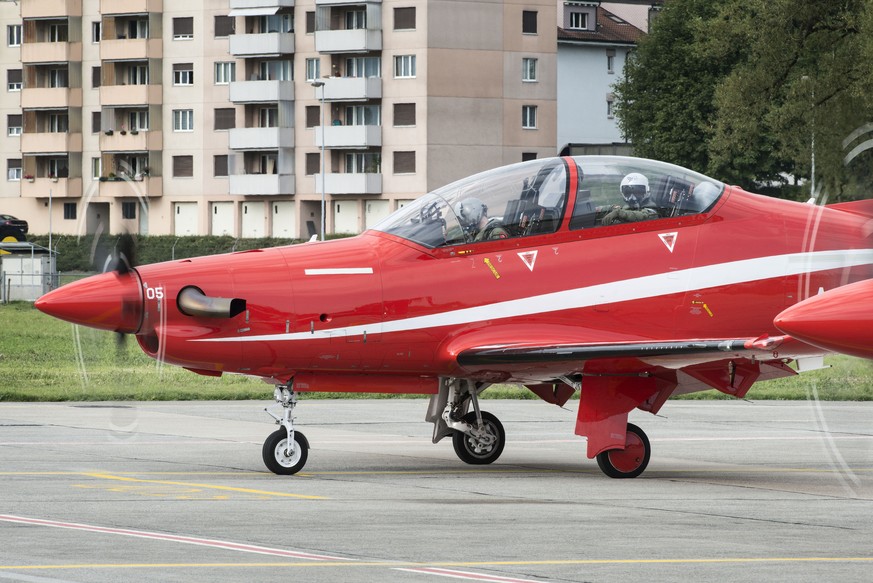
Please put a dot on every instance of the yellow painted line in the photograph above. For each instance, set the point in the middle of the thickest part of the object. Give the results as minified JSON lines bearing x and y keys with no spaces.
{"x":391,"y":564}
{"x":204,"y":486}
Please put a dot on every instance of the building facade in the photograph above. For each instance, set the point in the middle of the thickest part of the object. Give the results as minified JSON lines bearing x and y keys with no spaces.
{"x":211,"y":116}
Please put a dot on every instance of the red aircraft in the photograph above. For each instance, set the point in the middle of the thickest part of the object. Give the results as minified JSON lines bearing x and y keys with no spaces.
{"x":627,"y":279}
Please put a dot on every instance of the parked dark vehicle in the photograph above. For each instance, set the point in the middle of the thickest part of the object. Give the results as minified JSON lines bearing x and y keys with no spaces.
{"x":10,"y":227}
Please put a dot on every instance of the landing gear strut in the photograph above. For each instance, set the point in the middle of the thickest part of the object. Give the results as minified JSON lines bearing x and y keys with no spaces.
{"x":285,"y":450}
{"x":477,"y":436}
{"x":630,"y":461}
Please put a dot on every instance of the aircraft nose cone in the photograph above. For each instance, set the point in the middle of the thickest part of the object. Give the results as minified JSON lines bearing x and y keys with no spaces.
{"x":109,"y":301}
{"x":840,"y":320}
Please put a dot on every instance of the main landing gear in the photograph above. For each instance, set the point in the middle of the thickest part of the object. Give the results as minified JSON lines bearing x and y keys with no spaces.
{"x":285,"y":450}
{"x":630,"y":461}
{"x":477,"y":436}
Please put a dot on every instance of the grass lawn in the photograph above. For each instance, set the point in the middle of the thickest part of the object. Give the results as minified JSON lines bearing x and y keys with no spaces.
{"x":44,"y":359}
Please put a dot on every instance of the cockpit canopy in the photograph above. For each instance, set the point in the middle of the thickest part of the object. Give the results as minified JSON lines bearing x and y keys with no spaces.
{"x":531,"y":198}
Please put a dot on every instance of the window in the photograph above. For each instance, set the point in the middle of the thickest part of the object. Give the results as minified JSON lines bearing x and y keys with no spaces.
{"x":96,"y":119}
{"x":95,"y":31}
{"x":225,"y":118}
{"x":13,"y":169}
{"x":58,"y":33}
{"x":313,"y":69}
{"x":96,"y":167}
{"x":183,"y":166}
{"x":528,"y":21}
{"x":356,"y":19}
{"x":528,"y":70}
{"x":404,"y":18}
{"x":404,"y":66}
{"x":69,"y":211}
{"x":276,"y":70}
{"x":363,"y":115}
{"x":138,"y":120}
{"x":138,"y":75}
{"x":610,"y":61}
{"x":183,"y":74}
{"x":363,"y":163}
{"x":404,"y":114}
{"x":225,"y":72}
{"x":128,"y":210}
{"x":579,"y":20}
{"x":313,"y":116}
{"x":183,"y":28}
{"x":138,"y":28}
{"x":219,"y":165}
{"x":96,"y":74}
{"x":268,"y":117}
{"x":277,"y":23}
{"x":364,"y":67}
{"x":58,"y":78}
{"x":404,"y":162}
{"x":58,"y":167}
{"x":525,"y":156}
{"x":13,"y":35}
{"x":313,"y":163}
{"x":58,"y":123}
{"x":183,"y":120}
{"x":529,"y":117}
{"x":310,"y":22}
{"x":13,"y":124}
{"x":610,"y":103}
{"x":224,"y":26}
{"x":13,"y":80}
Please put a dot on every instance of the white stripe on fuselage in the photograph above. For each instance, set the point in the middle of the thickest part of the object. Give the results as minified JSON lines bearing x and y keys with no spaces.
{"x":340,"y":271}
{"x":637,"y":288}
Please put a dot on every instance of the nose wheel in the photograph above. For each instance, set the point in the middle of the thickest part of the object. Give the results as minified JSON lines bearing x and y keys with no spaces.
{"x":630,"y":461}
{"x":285,"y":451}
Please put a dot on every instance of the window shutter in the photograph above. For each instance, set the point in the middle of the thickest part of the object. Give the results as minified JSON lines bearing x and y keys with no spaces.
{"x":225,"y":118}
{"x":313,"y":163}
{"x":404,"y":114}
{"x":224,"y":25}
{"x":13,"y":120}
{"x":13,"y":163}
{"x":313,"y":116}
{"x":183,"y":26}
{"x":95,"y":77}
{"x":529,"y":21}
{"x":220,"y":166}
{"x":13,"y":75}
{"x":183,"y":166}
{"x":404,"y":18}
{"x":310,"y":22}
{"x":183,"y":67}
{"x":404,"y":162}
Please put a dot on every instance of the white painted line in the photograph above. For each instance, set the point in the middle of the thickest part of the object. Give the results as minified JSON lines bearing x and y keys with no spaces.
{"x":226,"y":545}
{"x":468,"y":575}
{"x":340,"y":271}
{"x":31,"y":578}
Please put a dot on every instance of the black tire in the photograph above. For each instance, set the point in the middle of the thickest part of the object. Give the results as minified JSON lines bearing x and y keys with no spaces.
{"x":275,"y":458}
{"x":629,"y":462}
{"x":466,"y":447}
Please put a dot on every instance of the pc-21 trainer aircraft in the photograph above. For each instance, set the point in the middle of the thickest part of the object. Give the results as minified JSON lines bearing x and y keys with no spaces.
{"x":628,"y":280}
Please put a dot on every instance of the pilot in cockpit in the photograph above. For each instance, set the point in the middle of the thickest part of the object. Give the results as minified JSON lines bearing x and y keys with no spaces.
{"x":638,"y":203}
{"x":473,"y":215}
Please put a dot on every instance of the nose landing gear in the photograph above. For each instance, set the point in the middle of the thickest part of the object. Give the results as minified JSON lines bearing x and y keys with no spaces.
{"x":285,"y":450}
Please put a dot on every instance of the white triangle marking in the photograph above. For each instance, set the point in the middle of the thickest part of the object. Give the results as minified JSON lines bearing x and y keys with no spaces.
{"x":529,"y":258}
{"x":669,"y":240}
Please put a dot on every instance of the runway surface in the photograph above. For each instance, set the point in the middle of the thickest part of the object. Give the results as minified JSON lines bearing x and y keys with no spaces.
{"x":735,"y":491}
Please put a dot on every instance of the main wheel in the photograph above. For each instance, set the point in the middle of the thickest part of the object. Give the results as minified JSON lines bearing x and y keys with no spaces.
{"x":482,"y":449}
{"x":630,"y":461}
{"x":278,"y":460}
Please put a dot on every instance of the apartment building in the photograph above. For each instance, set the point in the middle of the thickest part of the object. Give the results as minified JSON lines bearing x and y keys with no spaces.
{"x":211,"y":116}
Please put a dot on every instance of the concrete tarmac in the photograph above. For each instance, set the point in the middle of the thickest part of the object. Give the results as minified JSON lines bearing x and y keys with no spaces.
{"x":735,"y":491}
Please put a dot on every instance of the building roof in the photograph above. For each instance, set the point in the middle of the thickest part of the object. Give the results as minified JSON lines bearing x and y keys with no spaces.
{"x":610,"y":29}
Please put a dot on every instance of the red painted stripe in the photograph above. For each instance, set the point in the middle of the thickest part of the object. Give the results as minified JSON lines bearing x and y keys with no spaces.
{"x":468,"y":575}
{"x":227,"y":545}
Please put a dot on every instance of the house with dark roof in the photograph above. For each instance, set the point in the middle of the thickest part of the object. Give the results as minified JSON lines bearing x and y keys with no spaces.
{"x":593,"y":44}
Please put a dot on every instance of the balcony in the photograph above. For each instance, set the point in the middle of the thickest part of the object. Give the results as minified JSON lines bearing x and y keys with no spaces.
{"x":350,"y":183}
{"x":51,"y":52}
{"x":131,"y":95}
{"x":49,"y":142}
{"x":131,"y":49}
{"x":352,"y":88}
{"x":149,"y":186}
{"x":51,"y":97}
{"x":267,"y":184}
{"x":257,"y":4}
{"x":50,"y":8}
{"x":262,"y":45}
{"x":355,"y":137}
{"x":359,"y":40}
{"x":60,"y":187}
{"x":141,"y":141}
{"x":130,"y":6}
{"x":261,"y":138}
{"x":261,"y":91}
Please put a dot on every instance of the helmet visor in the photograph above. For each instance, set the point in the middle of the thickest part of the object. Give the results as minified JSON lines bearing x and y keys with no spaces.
{"x":633,"y":190}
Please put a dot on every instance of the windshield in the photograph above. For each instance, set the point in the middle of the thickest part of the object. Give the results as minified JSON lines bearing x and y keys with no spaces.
{"x":530,"y":198}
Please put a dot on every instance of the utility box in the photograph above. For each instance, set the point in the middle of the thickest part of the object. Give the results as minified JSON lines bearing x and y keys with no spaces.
{"x":27,"y":272}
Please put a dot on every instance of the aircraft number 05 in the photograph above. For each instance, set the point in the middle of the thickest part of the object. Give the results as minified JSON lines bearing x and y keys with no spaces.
{"x":154,"y":293}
